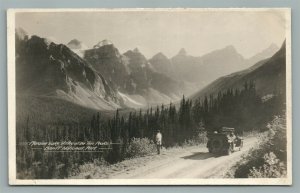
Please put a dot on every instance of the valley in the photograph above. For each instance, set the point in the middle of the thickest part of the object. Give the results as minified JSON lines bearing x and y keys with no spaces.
{"x":79,"y":93}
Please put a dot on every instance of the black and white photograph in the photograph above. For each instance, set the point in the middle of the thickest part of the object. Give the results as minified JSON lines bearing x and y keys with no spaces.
{"x":149,"y":96}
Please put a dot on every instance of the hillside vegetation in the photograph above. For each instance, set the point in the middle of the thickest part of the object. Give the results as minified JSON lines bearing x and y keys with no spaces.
{"x":132,"y":134}
{"x":269,"y":158}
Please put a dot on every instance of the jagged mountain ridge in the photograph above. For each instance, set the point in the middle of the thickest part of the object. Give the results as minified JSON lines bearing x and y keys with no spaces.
{"x":204,"y":69}
{"x":199,"y":71}
{"x":190,"y":71}
{"x":163,"y":64}
{"x":127,"y":79}
{"x":269,"y":76}
{"x":133,"y":75}
{"x":44,"y":68}
{"x":103,"y":43}
{"x":107,"y":60}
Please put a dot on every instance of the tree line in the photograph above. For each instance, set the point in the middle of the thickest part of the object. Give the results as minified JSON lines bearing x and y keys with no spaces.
{"x":242,"y":109}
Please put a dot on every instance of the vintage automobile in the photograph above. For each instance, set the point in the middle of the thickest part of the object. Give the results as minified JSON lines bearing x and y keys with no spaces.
{"x":224,"y":141}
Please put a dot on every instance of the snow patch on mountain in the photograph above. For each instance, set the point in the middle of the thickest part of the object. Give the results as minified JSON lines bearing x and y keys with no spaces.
{"x":129,"y":101}
{"x":103,"y":43}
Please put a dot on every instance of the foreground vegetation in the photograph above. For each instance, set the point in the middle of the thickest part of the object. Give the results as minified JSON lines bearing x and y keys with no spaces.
{"x":269,"y":158}
{"x":132,"y":134}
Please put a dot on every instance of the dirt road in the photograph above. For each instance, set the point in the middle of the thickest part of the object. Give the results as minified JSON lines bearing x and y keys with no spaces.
{"x":194,"y":163}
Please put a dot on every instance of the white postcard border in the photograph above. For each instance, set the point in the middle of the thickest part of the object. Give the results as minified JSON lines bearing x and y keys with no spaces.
{"x":12,"y":110}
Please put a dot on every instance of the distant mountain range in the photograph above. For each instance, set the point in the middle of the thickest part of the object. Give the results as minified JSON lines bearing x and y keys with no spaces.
{"x":269,"y":76}
{"x":199,"y":70}
{"x":204,"y":69}
{"x":102,"y":78}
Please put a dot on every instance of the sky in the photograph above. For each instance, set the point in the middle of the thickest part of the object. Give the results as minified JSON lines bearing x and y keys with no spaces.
{"x":198,"y":31}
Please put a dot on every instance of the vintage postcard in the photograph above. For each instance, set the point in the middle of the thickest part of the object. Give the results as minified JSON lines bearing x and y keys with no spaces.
{"x":149,"y":96}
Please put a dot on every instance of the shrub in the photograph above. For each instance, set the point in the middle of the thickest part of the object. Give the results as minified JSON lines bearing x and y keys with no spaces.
{"x":199,"y":139}
{"x":268,"y":159}
{"x":272,"y":168}
{"x":202,"y":137}
{"x":140,"y":147}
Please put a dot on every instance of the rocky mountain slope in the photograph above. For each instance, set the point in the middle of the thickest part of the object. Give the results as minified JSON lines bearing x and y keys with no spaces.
{"x":103,"y":78}
{"x":44,"y":68}
{"x":133,"y":76}
{"x":269,"y":76}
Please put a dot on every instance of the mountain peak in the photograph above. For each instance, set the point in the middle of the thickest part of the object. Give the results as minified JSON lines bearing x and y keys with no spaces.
{"x":182,"y":51}
{"x":273,"y":46}
{"x":230,"y":48}
{"x":76,"y":44}
{"x":270,"y":50}
{"x":136,"y":50}
{"x":103,"y":43}
{"x":265,"y":53}
{"x":284,"y":43}
{"x":160,"y":55}
{"x":21,"y":33}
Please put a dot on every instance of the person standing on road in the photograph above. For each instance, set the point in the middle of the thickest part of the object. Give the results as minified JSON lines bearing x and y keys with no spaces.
{"x":232,"y":138}
{"x":158,"y":139}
